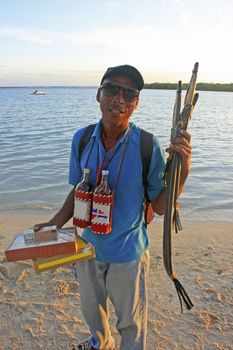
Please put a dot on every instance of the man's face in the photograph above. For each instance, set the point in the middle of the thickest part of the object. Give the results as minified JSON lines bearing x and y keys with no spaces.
{"x":117,"y":109}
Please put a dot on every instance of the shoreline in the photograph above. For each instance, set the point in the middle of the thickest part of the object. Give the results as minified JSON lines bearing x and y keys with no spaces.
{"x":22,"y":220}
{"x":42,"y":310}
{"x":186,"y":216}
{"x":202,"y":86}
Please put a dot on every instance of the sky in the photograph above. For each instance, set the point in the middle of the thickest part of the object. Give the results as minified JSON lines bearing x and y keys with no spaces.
{"x":73,"y":42}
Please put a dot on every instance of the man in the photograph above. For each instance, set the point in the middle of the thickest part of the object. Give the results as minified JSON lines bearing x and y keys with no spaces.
{"x":120,"y":269}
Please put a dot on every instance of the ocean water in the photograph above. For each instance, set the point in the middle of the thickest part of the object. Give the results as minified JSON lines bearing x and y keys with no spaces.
{"x":36,"y":134}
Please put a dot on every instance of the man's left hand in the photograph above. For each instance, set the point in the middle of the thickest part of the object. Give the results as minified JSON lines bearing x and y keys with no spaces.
{"x":182,"y":145}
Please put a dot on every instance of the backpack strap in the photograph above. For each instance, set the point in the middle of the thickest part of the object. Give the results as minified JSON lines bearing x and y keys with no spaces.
{"x":85,"y":138}
{"x":146,"y":153}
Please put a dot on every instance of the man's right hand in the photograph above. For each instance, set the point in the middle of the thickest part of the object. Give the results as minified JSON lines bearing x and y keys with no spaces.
{"x":38,"y":227}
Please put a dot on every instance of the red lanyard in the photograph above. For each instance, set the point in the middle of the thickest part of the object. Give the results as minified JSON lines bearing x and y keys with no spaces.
{"x":99,"y":171}
{"x":104,"y":140}
{"x":113,"y":150}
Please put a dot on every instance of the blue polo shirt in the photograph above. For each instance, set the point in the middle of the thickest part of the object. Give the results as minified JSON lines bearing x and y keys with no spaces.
{"x":128,"y":239}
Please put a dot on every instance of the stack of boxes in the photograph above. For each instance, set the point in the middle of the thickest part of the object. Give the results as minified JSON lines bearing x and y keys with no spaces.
{"x":49,"y":248}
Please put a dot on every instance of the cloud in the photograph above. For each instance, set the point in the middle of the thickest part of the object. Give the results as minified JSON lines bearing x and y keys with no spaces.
{"x":115,"y":37}
{"x":23,"y":34}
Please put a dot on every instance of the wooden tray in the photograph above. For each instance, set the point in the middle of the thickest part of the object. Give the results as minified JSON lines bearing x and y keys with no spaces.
{"x":19,"y":250}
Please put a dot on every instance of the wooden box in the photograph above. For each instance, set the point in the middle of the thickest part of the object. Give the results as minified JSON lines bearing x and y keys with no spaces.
{"x":64,"y":244}
{"x":46,"y":233}
{"x":85,"y":251}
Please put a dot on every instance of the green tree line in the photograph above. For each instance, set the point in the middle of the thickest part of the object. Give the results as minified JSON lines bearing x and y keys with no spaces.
{"x":200,"y":86}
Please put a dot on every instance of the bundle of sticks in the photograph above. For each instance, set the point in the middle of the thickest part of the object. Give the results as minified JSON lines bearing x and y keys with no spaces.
{"x":180,"y":121}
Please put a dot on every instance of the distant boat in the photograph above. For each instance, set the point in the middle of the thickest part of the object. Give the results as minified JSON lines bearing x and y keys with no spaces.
{"x":38,"y":92}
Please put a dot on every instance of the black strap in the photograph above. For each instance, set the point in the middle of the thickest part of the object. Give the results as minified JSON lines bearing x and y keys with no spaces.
{"x":146,"y":146}
{"x":85,"y":138}
{"x":146,"y":153}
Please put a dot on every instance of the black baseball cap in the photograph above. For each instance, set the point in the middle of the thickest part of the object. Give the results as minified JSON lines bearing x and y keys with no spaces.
{"x":125,"y":69}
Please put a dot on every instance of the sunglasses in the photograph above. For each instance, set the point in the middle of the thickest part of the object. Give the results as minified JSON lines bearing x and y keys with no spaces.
{"x":112,"y":90}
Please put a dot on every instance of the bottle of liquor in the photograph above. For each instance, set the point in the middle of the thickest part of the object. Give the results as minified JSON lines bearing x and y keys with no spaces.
{"x":103,"y":187}
{"x":85,"y":185}
{"x":83,"y":201}
{"x":101,"y":221}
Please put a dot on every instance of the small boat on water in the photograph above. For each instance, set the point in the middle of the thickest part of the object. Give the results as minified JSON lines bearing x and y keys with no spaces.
{"x":38,"y":92}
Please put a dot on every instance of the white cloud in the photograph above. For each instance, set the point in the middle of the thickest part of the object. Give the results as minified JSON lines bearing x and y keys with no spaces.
{"x":115,"y":37}
{"x":23,"y":34}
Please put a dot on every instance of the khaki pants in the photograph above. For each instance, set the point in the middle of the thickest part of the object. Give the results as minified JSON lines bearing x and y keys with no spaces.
{"x":125,"y":285}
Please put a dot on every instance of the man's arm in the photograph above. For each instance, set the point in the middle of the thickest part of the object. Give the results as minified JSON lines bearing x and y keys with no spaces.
{"x":63,"y":215}
{"x":181,"y":145}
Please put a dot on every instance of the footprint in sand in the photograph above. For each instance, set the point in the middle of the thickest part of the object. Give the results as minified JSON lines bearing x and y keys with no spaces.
{"x":61,"y":288}
{"x":209,"y":319}
{"x":22,"y":277}
{"x":4,"y":272}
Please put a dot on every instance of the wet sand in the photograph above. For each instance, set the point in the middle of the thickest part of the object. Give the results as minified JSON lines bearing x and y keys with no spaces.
{"x":42,"y":311}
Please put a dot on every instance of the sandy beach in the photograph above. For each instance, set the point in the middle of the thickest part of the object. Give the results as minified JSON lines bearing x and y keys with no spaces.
{"x":42,"y":311}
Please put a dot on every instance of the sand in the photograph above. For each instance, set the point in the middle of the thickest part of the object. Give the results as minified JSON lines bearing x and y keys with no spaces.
{"x":42,"y":311}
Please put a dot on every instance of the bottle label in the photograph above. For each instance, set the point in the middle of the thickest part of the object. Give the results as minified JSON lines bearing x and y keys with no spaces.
{"x":82,"y":209}
{"x":101,"y":221}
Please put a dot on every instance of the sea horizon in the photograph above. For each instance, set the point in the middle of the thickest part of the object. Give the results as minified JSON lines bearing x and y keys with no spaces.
{"x":91,"y":86}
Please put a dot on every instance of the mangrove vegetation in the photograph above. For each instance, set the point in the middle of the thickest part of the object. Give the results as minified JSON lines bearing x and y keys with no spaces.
{"x":200,"y":86}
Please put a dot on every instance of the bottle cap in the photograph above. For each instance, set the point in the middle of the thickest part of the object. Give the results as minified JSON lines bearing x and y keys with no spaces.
{"x":105,"y":172}
{"x":86,"y":170}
